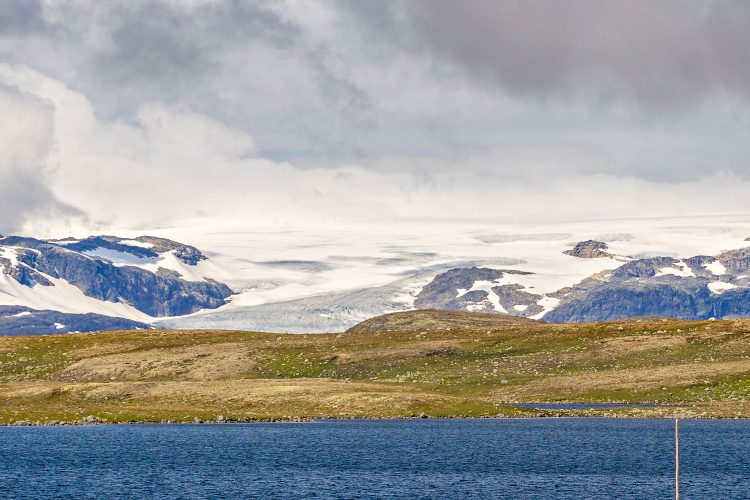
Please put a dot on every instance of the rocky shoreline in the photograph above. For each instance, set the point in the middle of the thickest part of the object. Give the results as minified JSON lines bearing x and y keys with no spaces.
{"x":90,"y":420}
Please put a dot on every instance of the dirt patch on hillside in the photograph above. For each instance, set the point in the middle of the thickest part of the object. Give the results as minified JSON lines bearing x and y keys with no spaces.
{"x":637,"y":379}
{"x":196,"y":362}
{"x":639,"y":343}
{"x":103,"y":349}
{"x":251,"y":397}
{"x":417,"y":350}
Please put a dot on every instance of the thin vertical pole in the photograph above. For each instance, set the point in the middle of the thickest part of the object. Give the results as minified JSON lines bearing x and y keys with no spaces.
{"x":677,"y":459}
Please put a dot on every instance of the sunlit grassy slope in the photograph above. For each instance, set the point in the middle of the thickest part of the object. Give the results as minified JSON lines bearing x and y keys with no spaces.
{"x":408,"y":364}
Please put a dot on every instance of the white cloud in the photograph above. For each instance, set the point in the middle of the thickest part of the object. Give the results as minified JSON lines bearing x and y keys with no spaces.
{"x":26,"y":142}
{"x":175,"y":164}
{"x":320,"y":83}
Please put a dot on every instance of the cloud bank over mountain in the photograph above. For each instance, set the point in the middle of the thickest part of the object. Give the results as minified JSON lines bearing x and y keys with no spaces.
{"x":26,"y":139}
{"x":141,"y":113}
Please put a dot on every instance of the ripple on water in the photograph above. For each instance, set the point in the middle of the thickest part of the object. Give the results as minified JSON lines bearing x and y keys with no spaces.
{"x":504,"y":458}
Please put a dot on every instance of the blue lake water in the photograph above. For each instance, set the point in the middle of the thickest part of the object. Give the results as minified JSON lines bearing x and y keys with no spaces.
{"x":524,"y":458}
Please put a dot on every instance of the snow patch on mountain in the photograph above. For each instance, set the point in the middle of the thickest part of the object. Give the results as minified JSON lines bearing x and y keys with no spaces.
{"x":548,"y":304}
{"x":65,"y":298}
{"x":485,"y":286}
{"x":9,"y":253}
{"x":716,"y":268}
{"x":119,"y":258}
{"x":680,"y":269}
{"x":719,"y":287}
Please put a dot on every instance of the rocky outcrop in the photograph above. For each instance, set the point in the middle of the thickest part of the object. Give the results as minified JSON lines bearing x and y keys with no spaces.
{"x":442,"y":291}
{"x":589,"y":249}
{"x":454,"y":290}
{"x":153,"y":247}
{"x":479,"y":289}
{"x":517,"y":301}
{"x":736,"y":261}
{"x":674,"y":300}
{"x":186,"y":253}
{"x":23,"y":274}
{"x":18,"y":320}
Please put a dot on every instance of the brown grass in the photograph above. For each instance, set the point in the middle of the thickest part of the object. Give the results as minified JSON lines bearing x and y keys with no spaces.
{"x":440,"y":369}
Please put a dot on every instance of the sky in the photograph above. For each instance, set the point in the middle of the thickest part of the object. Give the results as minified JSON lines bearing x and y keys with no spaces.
{"x":143,"y":114}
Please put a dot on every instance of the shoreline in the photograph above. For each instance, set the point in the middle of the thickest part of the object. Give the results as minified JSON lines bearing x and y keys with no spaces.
{"x":302,"y":420}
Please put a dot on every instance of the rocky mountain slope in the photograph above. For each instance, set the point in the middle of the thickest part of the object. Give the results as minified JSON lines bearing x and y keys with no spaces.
{"x":18,"y":320}
{"x":480,"y":289}
{"x":700,"y":287}
{"x":58,"y":281}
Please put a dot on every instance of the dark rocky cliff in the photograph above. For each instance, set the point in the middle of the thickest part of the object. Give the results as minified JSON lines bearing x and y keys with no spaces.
{"x":18,"y":320}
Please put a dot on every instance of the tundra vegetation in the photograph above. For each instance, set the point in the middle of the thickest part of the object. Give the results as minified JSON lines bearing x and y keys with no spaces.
{"x":421,"y":363}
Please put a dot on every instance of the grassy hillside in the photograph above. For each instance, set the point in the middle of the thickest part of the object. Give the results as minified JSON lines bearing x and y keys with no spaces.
{"x":432,"y":363}
{"x":435,"y":319}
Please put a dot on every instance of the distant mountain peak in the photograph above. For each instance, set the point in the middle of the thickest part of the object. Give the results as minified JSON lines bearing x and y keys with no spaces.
{"x":700,"y":287}
{"x":140,"y":278}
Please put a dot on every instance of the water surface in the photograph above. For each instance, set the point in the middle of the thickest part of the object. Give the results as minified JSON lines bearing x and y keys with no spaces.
{"x":525,"y":458}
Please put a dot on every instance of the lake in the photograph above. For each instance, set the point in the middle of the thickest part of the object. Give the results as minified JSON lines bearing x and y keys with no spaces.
{"x":494,"y":458}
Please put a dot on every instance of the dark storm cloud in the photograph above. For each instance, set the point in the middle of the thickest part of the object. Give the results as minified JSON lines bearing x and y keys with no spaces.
{"x":163,"y":43}
{"x":20,"y":16}
{"x":176,"y":53}
{"x":172,"y":52}
{"x":520,"y":89}
{"x":656,"y":52}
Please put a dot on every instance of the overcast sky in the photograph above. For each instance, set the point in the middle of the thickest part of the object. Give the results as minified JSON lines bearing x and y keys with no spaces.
{"x":140,"y":113}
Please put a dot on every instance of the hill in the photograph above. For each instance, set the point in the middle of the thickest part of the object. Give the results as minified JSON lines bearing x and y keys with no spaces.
{"x":436,"y":319}
{"x":683,"y":368}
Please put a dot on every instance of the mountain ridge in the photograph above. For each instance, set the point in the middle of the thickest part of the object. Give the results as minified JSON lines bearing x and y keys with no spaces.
{"x":158,"y":282}
{"x":136,"y":279}
{"x":694,"y":288}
